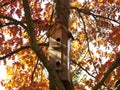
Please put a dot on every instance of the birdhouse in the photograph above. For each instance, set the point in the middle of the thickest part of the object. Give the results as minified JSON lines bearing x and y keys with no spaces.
{"x":59,"y":49}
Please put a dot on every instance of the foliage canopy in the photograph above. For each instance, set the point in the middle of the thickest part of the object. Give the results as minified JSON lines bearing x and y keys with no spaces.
{"x":95,"y":55}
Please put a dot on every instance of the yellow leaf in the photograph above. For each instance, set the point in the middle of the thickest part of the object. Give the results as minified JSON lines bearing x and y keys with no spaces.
{"x":74,"y":24}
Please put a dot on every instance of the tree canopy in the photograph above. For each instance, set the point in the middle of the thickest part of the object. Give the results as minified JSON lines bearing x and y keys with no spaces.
{"x":95,"y":50}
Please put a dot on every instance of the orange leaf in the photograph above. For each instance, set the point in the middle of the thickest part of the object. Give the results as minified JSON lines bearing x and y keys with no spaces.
{"x":18,"y":12}
{"x":98,"y":77}
{"x":115,"y":32}
{"x":111,"y":1}
{"x":118,"y":54}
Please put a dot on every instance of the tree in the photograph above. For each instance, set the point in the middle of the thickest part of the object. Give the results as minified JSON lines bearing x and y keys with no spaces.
{"x":95,"y":26}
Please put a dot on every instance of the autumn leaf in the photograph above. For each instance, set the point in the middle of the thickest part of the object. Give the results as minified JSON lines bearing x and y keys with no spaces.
{"x":111,"y":1}
{"x":115,"y":32}
{"x":115,"y":35}
{"x":93,"y":23}
{"x":99,"y":76}
{"x":18,"y":12}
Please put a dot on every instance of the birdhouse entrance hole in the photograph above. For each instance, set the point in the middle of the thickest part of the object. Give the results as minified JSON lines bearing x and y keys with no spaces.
{"x":58,"y":39}
{"x":58,"y":63}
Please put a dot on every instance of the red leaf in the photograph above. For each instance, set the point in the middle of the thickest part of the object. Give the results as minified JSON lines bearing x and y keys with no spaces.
{"x":108,"y":64}
{"x":119,"y":17}
{"x":4,"y":62}
{"x":118,"y":54}
{"x":111,"y":1}
{"x":13,"y":57}
{"x":104,"y":1}
{"x":115,"y":32}
{"x":1,"y":38}
{"x":12,"y":11}
{"x":99,"y":76}
{"x":18,"y":12}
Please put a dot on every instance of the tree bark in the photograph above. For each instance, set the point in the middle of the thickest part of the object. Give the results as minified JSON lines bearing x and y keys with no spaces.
{"x":107,"y":73}
{"x":62,"y":16}
{"x":34,"y":46}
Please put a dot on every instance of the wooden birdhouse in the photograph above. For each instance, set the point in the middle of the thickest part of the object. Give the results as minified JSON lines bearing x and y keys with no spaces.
{"x":59,"y":49}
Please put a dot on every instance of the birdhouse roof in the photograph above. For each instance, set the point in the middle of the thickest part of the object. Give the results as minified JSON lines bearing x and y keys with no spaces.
{"x":58,"y":26}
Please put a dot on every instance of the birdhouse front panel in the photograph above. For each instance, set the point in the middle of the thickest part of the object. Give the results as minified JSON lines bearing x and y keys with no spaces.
{"x":55,"y":36}
{"x":58,"y":50}
{"x":55,"y":53}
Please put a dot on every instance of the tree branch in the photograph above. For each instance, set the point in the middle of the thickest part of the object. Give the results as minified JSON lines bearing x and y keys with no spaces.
{"x":7,"y":3}
{"x":11,"y":53}
{"x":34,"y":70}
{"x":21,"y":48}
{"x":36,"y":49}
{"x":106,"y":74}
{"x":87,"y":39}
{"x":89,"y":13}
{"x":7,"y":24}
{"x":16,"y":22}
{"x":82,"y":68}
{"x":21,"y":23}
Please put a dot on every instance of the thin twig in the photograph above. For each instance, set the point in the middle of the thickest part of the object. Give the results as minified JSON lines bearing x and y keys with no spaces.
{"x":89,"y":13}
{"x":14,"y":20}
{"x":81,"y":59}
{"x":32,"y":79}
{"x":51,"y":17}
{"x":85,"y":3}
{"x":106,"y":74}
{"x":7,"y":24}
{"x":104,"y":17}
{"x":87,"y":39}
{"x":7,"y":3}
{"x":42,"y":74}
{"x":82,"y":68}
{"x":13,"y":52}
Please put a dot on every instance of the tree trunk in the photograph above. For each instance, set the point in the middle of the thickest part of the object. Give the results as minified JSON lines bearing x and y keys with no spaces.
{"x":62,"y":16}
